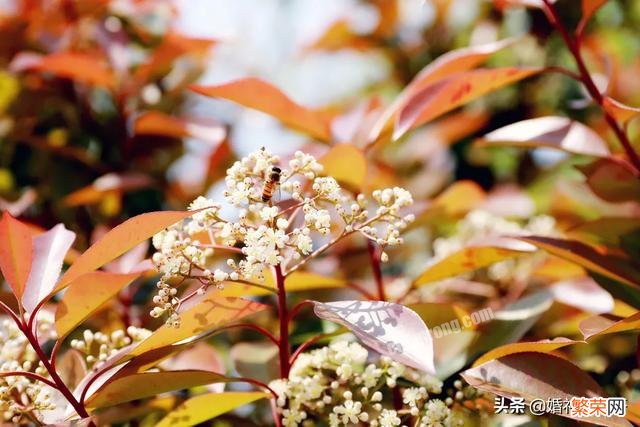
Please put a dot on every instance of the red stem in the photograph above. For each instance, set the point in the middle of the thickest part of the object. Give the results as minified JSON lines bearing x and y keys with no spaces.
{"x":283,"y":317}
{"x":31,"y":375}
{"x":374,"y":255}
{"x":60,"y":385}
{"x":585,"y":77}
{"x":304,"y":346}
{"x":256,"y":328}
{"x":296,"y":308}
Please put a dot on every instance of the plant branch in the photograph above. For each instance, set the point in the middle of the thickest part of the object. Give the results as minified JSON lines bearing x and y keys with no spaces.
{"x":283,"y":318}
{"x":296,"y":308}
{"x":31,"y":375}
{"x":374,"y":256}
{"x":60,"y":385}
{"x":256,"y":328}
{"x":306,"y":345}
{"x":573,"y":46}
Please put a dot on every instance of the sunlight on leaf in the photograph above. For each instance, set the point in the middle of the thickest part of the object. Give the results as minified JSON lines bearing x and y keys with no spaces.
{"x":550,"y":132}
{"x":594,"y":259}
{"x":297,"y":281}
{"x":119,"y":240}
{"x":211,"y":312}
{"x":542,"y":346}
{"x":206,"y":406}
{"x":162,"y":124}
{"x":346,"y":164}
{"x":87,"y":294}
{"x":138,"y":386}
{"x":486,"y":252}
{"x":16,"y":245}
{"x":390,"y":329}
{"x":451,"y":62}
{"x":602,"y":325}
{"x":262,"y":96}
{"x":583,"y":293}
{"x":621,"y":112}
{"x":454,"y":91}
{"x":49,"y":251}
{"x":538,"y":376}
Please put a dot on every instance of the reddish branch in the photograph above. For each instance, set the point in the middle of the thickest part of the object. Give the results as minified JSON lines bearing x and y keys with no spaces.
{"x":375,"y":254}
{"x":283,"y":317}
{"x":573,"y":44}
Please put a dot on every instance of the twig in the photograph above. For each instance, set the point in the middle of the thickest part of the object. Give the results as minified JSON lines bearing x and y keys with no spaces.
{"x":374,"y":256}
{"x":283,"y":318}
{"x":31,"y":375}
{"x":573,"y":46}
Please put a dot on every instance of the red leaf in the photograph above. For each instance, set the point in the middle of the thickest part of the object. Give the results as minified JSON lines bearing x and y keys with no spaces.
{"x":16,"y":252}
{"x":443,"y":96}
{"x":262,"y":96}
{"x":451,"y":62}
{"x":78,"y":67}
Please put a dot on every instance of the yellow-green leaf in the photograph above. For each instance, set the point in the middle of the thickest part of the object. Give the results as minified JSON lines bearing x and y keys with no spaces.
{"x":206,"y":406}
{"x":297,"y":281}
{"x":262,"y":96}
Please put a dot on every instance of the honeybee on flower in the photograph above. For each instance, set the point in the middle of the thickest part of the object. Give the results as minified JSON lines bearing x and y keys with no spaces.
{"x":265,"y":235}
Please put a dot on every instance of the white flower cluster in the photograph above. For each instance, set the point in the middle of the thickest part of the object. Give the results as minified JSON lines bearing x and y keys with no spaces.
{"x":97,"y":346}
{"x":337,"y":384}
{"x":267,"y":233}
{"x":20,"y":395}
{"x":479,"y":224}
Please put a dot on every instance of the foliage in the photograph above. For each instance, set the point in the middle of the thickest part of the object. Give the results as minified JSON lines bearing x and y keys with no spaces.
{"x":406,"y":215}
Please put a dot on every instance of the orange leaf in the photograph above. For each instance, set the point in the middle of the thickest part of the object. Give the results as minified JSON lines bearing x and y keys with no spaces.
{"x":211,"y":312}
{"x":105,"y":184}
{"x":78,"y":67}
{"x":16,"y":247}
{"x":602,"y":325}
{"x":86,"y":295}
{"x":543,"y":346}
{"x":119,"y":240}
{"x":444,"y":95}
{"x":346,"y":164}
{"x":451,"y":62}
{"x":488,"y":251}
{"x":262,"y":96}
{"x":159,"y":123}
{"x":553,"y":132}
{"x":621,"y":112}
{"x":597,"y":260}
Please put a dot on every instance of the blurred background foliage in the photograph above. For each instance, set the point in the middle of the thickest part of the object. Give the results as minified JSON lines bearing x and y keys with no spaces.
{"x":97,"y":124}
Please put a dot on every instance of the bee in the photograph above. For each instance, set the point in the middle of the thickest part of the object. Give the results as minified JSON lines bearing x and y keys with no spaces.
{"x":273,"y":179}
